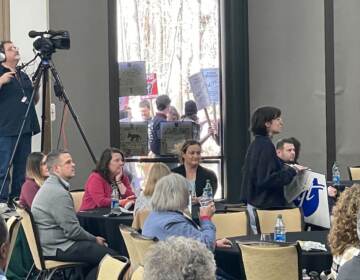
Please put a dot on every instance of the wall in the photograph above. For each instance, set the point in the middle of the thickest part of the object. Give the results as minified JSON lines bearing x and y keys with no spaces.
{"x":84,"y":72}
{"x":287,"y":70}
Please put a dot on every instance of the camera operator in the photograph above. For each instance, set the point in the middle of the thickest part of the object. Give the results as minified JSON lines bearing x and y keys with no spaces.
{"x":15,"y":94}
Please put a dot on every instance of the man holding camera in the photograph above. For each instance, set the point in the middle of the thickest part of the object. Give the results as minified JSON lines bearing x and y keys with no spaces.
{"x":15,"y":94}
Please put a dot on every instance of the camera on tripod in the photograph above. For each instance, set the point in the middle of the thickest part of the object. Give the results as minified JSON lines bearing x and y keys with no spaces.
{"x":49,"y":41}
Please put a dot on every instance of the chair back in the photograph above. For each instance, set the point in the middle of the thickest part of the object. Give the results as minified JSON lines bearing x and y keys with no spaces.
{"x":139,"y":219}
{"x":231,"y":224}
{"x":13,"y":225}
{"x":112,"y":267}
{"x":138,"y":274}
{"x":142,"y":245}
{"x":129,"y":243}
{"x":32,"y":237}
{"x":266,"y":219}
{"x":354,"y":172}
{"x":77,"y":196}
{"x":271,"y":262}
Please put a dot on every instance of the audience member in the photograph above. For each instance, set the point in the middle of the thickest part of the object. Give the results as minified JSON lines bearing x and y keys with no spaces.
{"x":191,"y":115}
{"x":351,"y":269}
{"x":190,"y":156}
{"x":179,"y":258}
{"x":156,"y":172}
{"x":4,"y":248}
{"x":36,"y":174}
{"x":162,"y":105}
{"x":285,"y":150}
{"x":61,"y":236}
{"x":173,"y":114}
{"x":108,"y":173}
{"x":15,"y":93}
{"x":343,"y":239}
{"x":297,"y":146}
{"x":145,"y":110}
{"x":169,"y":200}
{"x":264,"y":175}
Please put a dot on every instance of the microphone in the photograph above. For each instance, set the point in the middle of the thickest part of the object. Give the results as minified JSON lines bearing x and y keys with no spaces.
{"x":2,"y":57}
{"x":33,"y":33}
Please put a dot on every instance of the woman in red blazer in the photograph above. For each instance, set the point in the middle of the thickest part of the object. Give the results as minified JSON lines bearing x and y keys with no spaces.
{"x":107,"y":175}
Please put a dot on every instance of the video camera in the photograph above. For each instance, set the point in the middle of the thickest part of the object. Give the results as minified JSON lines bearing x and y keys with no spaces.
{"x":49,"y":41}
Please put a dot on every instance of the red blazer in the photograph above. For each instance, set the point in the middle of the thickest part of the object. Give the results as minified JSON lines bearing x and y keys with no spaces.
{"x":98,"y":192}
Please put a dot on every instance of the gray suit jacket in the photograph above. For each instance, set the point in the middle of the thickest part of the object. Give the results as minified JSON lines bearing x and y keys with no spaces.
{"x":350,"y":270}
{"x":55,"y":217}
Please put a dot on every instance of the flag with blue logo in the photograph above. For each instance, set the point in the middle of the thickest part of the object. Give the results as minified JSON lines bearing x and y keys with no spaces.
{"x":314,"y":200}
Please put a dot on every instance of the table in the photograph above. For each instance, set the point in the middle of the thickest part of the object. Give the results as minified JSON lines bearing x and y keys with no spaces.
{"x":229,"y":259}
{"x":108,"y":227}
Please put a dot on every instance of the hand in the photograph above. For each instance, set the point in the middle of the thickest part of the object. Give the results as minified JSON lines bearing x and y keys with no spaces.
{"x":6,"y":77}
{"x":207,"y":210}
{"x":332,"y":192}
{"x":119,"y":175}
{"x":223,"y":243}
{"x":299,"y":168}
{"x":101,"y":241}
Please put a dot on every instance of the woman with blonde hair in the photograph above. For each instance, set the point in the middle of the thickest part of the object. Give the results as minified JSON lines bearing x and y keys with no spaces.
{"x":156,"y":172}
{"x":343,"y":239}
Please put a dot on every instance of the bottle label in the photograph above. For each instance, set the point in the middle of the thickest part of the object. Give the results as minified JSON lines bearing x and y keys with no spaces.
{"x":279,"y":237}
{"x":114,"y":203}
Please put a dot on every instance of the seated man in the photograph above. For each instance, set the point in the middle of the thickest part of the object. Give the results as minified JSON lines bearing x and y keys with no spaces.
{"x":179,"y":258}
{"x":61,"y":236}
{"x":351,"y":269}
{"x":285,"y":150}
{"x":4,"y":247}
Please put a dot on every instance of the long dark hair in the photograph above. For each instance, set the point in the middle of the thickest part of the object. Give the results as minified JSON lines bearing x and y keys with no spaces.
{"x":102,"y":166}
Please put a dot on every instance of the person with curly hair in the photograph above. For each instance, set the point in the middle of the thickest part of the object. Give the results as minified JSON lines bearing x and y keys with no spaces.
{"x":343,"y":239}
{"x":179,"y":258}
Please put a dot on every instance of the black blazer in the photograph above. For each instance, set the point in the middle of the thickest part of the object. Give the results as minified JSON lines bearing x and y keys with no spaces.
{"x":202,"y":174}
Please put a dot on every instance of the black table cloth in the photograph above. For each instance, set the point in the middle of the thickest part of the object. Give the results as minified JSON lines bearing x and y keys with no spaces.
{"x":229,"y":259}
{"x":97,"y":224}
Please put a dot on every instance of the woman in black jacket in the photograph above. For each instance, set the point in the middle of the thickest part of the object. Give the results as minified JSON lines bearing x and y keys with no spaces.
{"x":264,"y":175}
{"x":192,"y":170}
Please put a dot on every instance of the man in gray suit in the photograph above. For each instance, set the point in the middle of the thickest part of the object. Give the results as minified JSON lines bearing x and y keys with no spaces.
{"x":61,"y":236}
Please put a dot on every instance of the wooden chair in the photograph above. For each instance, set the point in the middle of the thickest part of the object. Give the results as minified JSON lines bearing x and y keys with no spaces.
{"x":77,"y":196}
{"x":46,"y":268}
{"x":13,"y":225}
{"x":271,"y":262}
{"x":138,"y":274}
{"x":265,"y":220}
{"x":129,"y":243}
{"x":140,"y":218}
{"x":231,"y":224}
{"x":354,"y":172}
{"x":112,"y":267}
{"x":142,"y":245}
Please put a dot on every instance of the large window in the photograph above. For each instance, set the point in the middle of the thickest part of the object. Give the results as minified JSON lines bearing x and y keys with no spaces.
{"x":176,"y":39}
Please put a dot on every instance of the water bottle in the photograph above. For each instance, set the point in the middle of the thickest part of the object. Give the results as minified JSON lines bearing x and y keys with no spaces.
{"x":115,"y":198}
{"x":336,"y":174}
{"x":207,"y":195}
{"x":279,"y":232}
{"x":305,"y":276}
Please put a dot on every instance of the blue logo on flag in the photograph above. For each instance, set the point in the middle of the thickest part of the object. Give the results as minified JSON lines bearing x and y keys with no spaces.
{"x":309,"y":200}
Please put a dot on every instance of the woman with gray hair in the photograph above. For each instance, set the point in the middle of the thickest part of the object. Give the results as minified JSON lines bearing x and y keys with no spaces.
{"x":179,"y":258}
{"x":169,"y":200}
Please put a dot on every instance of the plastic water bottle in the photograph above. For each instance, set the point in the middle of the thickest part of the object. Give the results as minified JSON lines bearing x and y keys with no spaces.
{"x":207,"y":195}
{"x":305,"y":276}
{"x":115,"y":198}
{"x":279,"y":231}
{"x":336,"y":174}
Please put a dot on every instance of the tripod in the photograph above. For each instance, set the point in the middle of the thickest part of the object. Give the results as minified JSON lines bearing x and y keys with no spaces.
{"x":42,"y":73}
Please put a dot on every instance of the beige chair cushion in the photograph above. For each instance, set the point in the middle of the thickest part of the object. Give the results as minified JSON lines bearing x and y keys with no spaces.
{"x":230,"y":224}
